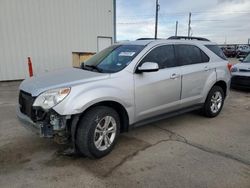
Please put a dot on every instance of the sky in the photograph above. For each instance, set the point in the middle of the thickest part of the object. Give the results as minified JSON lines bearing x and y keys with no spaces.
{"x":222,"y":21}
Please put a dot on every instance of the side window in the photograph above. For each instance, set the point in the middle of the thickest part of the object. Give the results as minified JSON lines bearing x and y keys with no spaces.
{"x":217,"y":51}
{"x":163,"y":55}
{"x":189,"y":54}
{"x":204,"y":57}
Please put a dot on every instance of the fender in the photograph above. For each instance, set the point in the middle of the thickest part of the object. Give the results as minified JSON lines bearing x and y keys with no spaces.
{"x":211,"y":80}
{"x":78,"y":102}
{"x":219,"y":75}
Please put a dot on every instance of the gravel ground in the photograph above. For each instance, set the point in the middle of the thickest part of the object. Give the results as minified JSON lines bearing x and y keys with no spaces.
{"x":184,"y":151}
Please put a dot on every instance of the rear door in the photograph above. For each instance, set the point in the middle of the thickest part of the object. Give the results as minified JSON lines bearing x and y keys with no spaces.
{"x":196,"y":72}
{"x":158,"y":92}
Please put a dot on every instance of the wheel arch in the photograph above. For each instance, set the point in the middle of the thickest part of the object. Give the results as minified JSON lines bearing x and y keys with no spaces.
{"x":119,"y":108}
{"x":220,"y":83}
{"x":223,"y":85}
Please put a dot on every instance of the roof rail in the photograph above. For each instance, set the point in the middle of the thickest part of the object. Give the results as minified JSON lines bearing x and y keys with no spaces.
{"x":187,"y":38}
{"x":148,"y":39}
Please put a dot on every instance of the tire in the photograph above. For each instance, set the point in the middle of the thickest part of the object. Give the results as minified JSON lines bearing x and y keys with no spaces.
{"x":213,"y":106}
{"x":91,"y":136}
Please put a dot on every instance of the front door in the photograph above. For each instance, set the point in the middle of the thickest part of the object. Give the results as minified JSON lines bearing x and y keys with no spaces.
{"x":158,"y":92}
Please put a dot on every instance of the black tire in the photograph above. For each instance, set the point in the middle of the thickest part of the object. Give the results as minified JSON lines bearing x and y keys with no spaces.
{"x":207,"y":111}
{"x":86,"y":130}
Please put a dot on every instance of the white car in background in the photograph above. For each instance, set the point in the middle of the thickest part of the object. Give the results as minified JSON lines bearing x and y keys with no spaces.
{"x":241,"y":74}
{"x":242,"y":51}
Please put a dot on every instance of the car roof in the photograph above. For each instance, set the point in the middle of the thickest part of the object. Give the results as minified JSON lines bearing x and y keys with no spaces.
{"x":166,"y":41}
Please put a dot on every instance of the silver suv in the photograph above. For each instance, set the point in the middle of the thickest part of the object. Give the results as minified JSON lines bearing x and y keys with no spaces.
{"x":124,"y":86}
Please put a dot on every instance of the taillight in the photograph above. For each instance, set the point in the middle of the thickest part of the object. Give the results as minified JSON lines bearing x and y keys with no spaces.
{"x":229,"y":66}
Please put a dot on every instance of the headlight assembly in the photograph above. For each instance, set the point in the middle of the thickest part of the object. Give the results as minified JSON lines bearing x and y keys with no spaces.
{"x":50,"y":98}
{"x":234,"y":69}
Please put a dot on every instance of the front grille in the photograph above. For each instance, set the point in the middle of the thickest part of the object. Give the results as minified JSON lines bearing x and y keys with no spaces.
{"x":241,"y":80}
{"x":26,"y":101}
{"x":26,"y":107}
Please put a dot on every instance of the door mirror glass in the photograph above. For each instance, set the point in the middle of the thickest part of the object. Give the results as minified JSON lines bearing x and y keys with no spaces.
{"x":148,"y":67}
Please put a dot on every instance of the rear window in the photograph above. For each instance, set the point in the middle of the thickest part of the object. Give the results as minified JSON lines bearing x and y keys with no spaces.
{"x":189,"y":54}
{"x":217,"y":51}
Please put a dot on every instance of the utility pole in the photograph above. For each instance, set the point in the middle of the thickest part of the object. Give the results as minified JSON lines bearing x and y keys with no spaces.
{"x":114,"y":14}
{"x":248,"y":41}
{"x":157,"y":8}
{"x":189,"y":24}
{"x":176,"y":28}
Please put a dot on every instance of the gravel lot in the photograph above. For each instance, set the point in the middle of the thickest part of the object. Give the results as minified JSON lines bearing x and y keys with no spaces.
{"x":184,"y":151}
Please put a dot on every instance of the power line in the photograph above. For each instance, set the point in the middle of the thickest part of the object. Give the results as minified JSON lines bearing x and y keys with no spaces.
{"x":186,"y":13}
{"x":209,"y":20}
{"x":128,"y":23}
{"x":207,"y":12}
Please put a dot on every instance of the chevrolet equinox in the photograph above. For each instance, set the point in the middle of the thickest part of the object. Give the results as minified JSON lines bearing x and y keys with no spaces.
{"x":124,"y":86}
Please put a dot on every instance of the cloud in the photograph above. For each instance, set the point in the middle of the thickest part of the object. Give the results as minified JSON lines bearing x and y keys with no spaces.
{"x":217,"y":20}
{"x":231,"y":1}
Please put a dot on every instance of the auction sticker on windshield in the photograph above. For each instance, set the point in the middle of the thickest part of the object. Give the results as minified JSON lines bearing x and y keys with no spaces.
{"x":130,"y":54}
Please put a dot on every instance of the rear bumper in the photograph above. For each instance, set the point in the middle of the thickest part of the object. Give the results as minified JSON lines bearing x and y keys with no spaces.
{"x":240,"y":82}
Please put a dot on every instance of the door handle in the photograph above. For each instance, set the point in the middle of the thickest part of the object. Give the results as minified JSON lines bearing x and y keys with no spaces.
{"x":206,"y":68}
{"x":174,"y":76}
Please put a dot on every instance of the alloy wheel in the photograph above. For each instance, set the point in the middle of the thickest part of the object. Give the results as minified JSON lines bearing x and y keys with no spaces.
{"x":105,"y":133}
{"x":216,"y":102}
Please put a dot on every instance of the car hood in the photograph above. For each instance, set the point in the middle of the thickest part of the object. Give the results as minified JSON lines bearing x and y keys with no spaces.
{"x":61,"y":78}
{"x":243,"y":66}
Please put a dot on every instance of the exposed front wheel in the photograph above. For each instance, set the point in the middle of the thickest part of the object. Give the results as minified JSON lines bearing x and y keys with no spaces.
{"x":98,"y":131}
{"x":214,"y":102}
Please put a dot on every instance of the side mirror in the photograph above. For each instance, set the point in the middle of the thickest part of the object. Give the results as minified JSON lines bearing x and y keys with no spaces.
{"x":148,"y":67}
{"x":82,"y":65}
{"x":241,"y":59}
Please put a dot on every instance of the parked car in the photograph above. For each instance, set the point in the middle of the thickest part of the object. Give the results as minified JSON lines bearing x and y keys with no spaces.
{"x":124,"y":86}
{"x":229,"y":51}
{"x":242,"y":51}
{"x":241,"y":74}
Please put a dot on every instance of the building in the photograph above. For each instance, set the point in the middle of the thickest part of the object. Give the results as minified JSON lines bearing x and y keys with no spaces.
{"x":54,"y":33}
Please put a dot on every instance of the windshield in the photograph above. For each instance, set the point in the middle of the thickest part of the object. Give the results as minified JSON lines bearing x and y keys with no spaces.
{"x":247,"y":59}
{"x":113,"y":58}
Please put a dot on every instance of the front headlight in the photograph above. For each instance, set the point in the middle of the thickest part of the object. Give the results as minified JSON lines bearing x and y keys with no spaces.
{"x":50,"y":98}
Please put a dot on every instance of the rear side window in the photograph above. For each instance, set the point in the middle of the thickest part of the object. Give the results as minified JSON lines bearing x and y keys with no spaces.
{"x":189,"y":54}
{"x":204,"y":57}
{"x":163,"y":55}
{"x":217,"y":51}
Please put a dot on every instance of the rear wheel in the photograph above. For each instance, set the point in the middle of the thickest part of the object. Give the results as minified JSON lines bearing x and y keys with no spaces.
{"x":98,"y":131}
{"x":214,"y":102}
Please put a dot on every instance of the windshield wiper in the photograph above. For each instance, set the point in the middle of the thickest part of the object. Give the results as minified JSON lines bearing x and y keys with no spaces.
{"x":93,"y":67}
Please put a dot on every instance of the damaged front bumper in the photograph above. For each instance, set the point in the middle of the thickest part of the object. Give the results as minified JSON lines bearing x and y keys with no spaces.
{"x":53,"y":126}
{"x":28,"y":123}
